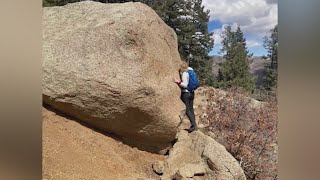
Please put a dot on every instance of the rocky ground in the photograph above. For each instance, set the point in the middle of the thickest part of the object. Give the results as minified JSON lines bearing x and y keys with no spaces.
{"x":73,"y":151}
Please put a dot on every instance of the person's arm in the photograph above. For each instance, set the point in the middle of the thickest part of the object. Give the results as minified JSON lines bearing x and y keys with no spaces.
{"x":178,"y":81}
{"x":185,"y":80}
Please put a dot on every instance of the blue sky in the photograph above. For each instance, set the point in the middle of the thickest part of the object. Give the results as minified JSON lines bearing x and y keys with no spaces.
{"x":255,"y":17}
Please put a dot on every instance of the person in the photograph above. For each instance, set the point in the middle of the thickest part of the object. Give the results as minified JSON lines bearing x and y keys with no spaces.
{"x":186,"y":96}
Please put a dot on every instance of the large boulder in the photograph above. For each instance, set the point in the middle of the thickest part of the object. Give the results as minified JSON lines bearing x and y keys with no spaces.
{"x":112,"y":66}
{"x":198,"y":156}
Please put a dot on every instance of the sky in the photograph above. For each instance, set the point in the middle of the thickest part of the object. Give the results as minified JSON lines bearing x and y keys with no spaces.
{"x":255,"y":17}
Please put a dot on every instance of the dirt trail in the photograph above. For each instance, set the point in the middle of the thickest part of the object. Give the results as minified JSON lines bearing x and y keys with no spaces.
{"x":73,"y":151}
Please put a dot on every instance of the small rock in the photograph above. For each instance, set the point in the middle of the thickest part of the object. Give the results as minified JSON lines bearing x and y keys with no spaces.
{"x":189,"y":170}
{"x":211,"y":134}
{"x":158,"y":167}
{"x":165,"y":151}
{"x":204,"y":115}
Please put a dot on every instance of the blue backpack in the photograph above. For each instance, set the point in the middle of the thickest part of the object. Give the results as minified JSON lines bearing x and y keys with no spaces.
{"x":193,"y":81}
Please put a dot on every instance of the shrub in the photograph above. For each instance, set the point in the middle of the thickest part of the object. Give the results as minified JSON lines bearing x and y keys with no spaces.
{"x":247,"y":130}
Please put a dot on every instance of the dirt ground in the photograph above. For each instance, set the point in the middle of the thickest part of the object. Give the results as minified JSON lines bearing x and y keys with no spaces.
{"x":73,"y":151}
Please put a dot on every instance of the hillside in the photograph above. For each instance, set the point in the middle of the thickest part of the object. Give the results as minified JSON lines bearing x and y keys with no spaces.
{"x":72,"y":151}
{"x":257,"y":66}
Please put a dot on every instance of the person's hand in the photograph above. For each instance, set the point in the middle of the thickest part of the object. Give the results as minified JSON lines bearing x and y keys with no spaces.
{"x":177,"y":80}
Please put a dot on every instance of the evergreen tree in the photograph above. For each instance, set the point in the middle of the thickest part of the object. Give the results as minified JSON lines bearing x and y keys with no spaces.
{"x":190,"y":22}
{"x":235,"y":70}
{"x":220,"y":76}
{"x":271,"y":44}
{"x":201,"y":42}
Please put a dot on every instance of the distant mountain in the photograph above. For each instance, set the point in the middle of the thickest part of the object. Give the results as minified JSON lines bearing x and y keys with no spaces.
{"x":257,"y":66}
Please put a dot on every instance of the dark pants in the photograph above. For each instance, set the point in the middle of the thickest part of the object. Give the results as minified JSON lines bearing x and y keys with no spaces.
{"x":187,"y":99}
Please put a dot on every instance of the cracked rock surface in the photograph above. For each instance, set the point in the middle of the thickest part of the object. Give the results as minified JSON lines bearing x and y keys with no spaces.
{"x":198,"y":156}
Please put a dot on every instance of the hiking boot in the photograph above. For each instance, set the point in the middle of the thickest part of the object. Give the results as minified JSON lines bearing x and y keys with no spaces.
{"x":192,"y":128}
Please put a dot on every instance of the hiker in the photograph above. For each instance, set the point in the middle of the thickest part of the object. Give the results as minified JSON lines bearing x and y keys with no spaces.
{"x":188,"y":85}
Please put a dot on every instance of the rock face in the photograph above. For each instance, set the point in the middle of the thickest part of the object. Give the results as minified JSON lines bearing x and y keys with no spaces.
{"x":112,"y":66}
{"x":198,"y":156}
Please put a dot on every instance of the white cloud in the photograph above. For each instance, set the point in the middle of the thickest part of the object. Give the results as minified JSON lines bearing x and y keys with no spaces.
{"x":218,"y":32}
{"x":253,"y":43}
{"x":217,"y":37}
{"x":254,"y":16}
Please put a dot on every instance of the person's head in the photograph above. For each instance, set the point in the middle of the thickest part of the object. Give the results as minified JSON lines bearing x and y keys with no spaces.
{"x":183,"y":66}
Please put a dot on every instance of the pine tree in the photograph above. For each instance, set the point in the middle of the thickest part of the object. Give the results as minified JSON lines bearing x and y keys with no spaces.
{"x":201,"y":42}
{"x":190,"y":22}
{"x":220,"y":76}
{"x":271,"y":44}
{"x":235,"y":70}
